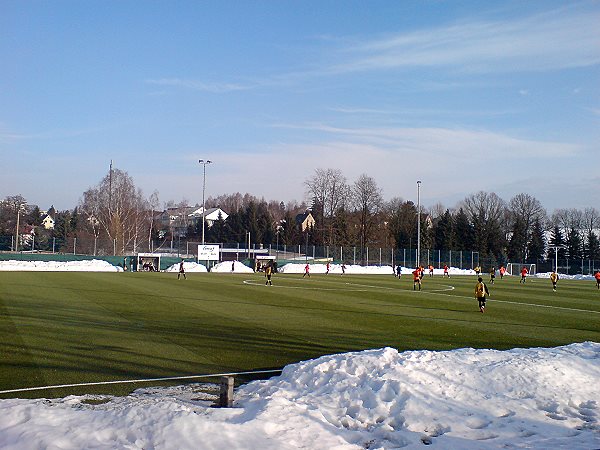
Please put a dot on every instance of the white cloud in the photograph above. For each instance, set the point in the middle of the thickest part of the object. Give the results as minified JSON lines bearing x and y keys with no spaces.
{"x":197,"y":85}
{"x":451,"y":163}
{"x":557,"y":39}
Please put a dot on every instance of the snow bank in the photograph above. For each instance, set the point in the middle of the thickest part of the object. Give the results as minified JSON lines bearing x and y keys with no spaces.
{"x":376,"y":399}
{"x":188,"y":266}
{"x":563,"y":276}
{"x":225,"y":267}
{"x":365,"y":270}
{"x":94,"y":265}
{"x":337,"y":269}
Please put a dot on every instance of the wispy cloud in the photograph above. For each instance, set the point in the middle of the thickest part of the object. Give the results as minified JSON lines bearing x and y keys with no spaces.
{"x":557,"y":39}
{"x":197,"y":85}
{"x":445,"y":141}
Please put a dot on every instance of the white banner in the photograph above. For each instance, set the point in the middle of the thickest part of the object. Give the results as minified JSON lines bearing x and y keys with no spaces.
{"x":208,"y":252}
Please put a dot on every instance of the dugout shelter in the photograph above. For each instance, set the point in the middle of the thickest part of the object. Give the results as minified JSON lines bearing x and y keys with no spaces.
{"x":148,"y":262}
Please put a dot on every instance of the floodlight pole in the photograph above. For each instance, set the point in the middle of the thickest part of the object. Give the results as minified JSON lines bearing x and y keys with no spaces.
{"x":556,"y":247}
{"x":204,"y":163}
{"x":418,"y":223}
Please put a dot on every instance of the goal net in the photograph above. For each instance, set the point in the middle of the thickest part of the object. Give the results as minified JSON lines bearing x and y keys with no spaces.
{"x":515,"y":268}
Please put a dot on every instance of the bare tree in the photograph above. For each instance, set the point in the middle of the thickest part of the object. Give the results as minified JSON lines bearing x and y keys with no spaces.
{"x":153,"y":203}
{"x":368,"y":203}
{"x":437,"y":211}
{"x":485,"y":205}
{"x":15,"y":204}
{"x":329,"y":189}
{"x":591,"y":219}
{"x":487,"y":213}
{"x":567,"y":219}
{"x":116,"y":205}
{"x":528,"y":209}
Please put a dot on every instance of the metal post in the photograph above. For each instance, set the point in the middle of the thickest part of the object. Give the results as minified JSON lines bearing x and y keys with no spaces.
{"x":204,"y":163}
{"x":17,"y":230}
{"x":418,"y":223}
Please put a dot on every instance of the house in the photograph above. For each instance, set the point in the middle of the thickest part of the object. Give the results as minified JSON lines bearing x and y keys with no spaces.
{"x":211,"y":215}
{"x":178,"y":219}
{"x":305,"y":221}
{"x":48,"y":221}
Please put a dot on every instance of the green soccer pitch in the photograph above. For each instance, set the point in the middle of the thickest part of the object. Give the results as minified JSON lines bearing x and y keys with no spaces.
{"x":69,"y":328}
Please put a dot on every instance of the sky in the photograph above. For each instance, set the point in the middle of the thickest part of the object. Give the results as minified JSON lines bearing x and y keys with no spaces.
{"x":463,"y":96}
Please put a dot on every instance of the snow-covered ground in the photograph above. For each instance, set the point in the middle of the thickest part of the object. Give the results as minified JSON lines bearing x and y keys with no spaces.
{"x":226,"y":266}
{"x":94,"y":265}
{"x":562,"y":276}
{"x":354,"y":269}
{"x":188,"y":266}
{"x":376,"y":399}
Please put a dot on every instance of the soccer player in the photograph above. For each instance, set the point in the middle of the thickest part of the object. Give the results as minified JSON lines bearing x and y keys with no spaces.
{"x":399,"y":271}
{"x":477,"y":271}
{"x":481,"y":290}
{"x":554,"y":279}
{"x":430,"y":270}
{"x":523,"y":275}
{"x":268,"y":273}
{"x":446,"y":271}
{"x":597,"y":277}
{"x":181,"y":271}
{"x":327,"y":272}
{"x":343,"y":268}
{"x":416,"y":278}
{"x":306,"y":271}
{"x":502,"y":271}
{"x":492,"y":275}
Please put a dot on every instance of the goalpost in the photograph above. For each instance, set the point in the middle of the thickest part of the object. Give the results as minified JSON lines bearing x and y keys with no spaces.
{"x":515,"y":268}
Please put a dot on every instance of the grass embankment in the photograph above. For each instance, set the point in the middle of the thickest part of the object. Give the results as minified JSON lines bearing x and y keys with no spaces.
{"x":63,"y":328}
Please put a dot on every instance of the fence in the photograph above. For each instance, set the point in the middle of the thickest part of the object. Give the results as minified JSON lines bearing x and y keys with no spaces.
{"x":178,"y":248}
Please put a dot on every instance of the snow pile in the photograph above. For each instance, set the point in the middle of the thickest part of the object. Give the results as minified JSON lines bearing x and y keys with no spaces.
{"x":188,"y":266}
{"x":337,"y":269}
{"x":375,"y":399}
{"x":562,"y":276}
{"x":94,"y":265}
{"x":354,"y":269}
{"x":225,"y":267}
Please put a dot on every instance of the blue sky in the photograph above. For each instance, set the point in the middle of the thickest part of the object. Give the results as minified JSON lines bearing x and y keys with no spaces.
{"x":463,"y":95}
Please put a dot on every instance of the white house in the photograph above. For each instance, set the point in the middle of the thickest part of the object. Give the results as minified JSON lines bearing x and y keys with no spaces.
{"x":211,"y":215}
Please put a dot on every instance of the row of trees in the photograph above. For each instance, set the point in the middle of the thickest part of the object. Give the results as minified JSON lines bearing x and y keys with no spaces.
{"x":115,"y":217}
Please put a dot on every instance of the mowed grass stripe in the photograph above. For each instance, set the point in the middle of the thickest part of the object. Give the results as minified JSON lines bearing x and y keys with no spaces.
{"x":87,"y":327}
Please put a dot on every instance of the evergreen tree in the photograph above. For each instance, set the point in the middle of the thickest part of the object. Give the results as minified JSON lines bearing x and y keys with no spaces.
{"x":443,"y":232}
{"x":62,"y":229}
{"x":556,"y":241}
{"x":574,"y":244}
{"x":517,"y":244}
{"x":593,"y":246}
{"x":289,"y":235}
{"x":464,"y":232}
{"x":403,"y":225}
{"x":536,"y":248}
{"x":217,"y":232}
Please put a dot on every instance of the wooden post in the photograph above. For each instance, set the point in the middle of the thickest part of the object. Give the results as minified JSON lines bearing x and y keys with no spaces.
{"x":226,"y":394}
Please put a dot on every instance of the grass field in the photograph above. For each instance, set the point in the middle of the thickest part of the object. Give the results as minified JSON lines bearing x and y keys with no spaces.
{"x":63,"y":328}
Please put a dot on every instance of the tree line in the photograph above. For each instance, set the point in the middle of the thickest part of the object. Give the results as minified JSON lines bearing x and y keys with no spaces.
{"x":114,"y":217}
